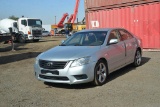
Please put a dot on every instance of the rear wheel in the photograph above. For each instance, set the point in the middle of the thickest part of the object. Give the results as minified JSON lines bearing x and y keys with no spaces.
{"x":137,"y":59}
{"x":101,"y":73}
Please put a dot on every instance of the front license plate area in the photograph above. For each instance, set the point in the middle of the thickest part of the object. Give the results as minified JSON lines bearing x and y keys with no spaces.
{"x":48,"y":71}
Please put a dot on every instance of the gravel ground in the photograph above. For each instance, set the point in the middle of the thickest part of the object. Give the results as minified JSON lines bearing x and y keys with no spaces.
{"x":127,"y":87}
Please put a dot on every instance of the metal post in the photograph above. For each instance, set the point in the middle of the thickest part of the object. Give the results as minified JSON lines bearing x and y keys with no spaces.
{"x":12,"y":38}
{"x":12,"y":41}
{"x":55,"y":20}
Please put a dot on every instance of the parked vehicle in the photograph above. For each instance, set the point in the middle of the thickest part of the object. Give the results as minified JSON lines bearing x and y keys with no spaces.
{"x":89,"y":56}
{"x":71,"y":26}
{"x":24,"y":29}
{"x":61,"y":31}
{"x":5,"y":24}
{"x":46,"y":33}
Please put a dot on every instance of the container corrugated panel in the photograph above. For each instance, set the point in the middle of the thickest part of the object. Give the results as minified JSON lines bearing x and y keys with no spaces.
{"x":90,"y":4}
{"x":142,"y":20}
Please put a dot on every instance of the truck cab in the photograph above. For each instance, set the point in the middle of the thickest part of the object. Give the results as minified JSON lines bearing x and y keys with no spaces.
{"x":29,"y":29}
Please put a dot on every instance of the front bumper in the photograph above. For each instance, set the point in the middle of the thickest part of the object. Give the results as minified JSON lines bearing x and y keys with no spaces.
{"x":31,"y":37}
{"x":68,"y":75}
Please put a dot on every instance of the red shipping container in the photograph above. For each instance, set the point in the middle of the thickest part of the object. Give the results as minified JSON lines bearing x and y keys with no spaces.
{"x":143,"y":20}
{"x":98,"y":4}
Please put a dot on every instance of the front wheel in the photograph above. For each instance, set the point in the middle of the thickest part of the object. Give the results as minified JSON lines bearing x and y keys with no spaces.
{"x":101,"y":73}
{"x":137,"y":59}
{"x":21,"y":39}
{"x":35,"y":40}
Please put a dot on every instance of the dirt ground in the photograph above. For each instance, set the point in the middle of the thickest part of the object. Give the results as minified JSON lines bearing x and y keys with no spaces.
{"x":127,"y":87}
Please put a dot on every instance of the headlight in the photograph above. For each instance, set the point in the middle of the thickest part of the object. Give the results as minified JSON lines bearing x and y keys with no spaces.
{"x":80,"y":61}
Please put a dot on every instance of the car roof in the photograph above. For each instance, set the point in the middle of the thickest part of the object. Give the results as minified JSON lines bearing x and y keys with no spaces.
{"x":99,"y":29}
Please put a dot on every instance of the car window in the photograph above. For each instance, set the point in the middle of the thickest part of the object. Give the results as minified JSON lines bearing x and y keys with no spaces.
{"x":75,"y":41}
{"x":114,"y":35}
{"x":24,"y":22}
{"x":125,"y":35}
{"x":94,"y":38}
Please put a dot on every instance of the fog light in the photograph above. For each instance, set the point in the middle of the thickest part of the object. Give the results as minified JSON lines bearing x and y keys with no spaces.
{"x":79,"y":77}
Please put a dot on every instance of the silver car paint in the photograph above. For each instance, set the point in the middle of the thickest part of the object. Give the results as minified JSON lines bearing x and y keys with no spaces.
{"x":116,"y":56}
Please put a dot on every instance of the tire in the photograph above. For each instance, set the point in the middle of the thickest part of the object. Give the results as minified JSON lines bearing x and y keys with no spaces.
{"x":21,"y":39}
{"x":100,"y":73}
{"x":137,"y":58}
{"x":35,"y":40}
{"x":16,"y":38}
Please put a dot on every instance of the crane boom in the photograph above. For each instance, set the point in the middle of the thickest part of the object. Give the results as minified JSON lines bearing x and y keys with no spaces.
{"x":70,"y":19}
{"x":75,"y":11}
{"x":60,"y":24}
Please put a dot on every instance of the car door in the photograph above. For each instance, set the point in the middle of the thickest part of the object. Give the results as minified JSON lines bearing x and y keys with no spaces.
{"x":115,"y":51}
{"x":130,"y":44}
{"x":22,"y":26}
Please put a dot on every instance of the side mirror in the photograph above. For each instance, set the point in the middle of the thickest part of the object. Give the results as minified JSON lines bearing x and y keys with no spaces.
{"x":113,"y":41}
{"x":62,"y":41}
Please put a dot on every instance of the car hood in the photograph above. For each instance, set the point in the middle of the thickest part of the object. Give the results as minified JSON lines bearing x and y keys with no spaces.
{"x":65,"y":53}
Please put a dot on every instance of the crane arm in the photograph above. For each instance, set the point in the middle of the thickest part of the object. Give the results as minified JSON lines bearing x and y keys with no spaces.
{"x":75,"y":11}
{"x":60,"y":24}
{"x":70,"y":18}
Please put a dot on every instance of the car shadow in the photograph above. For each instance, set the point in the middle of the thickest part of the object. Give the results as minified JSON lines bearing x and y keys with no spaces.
{"x":68,"y":86}
{"x":41,"y":41}
{"x":125,"y":70}
{"x":9,"y":47}
{"x":18,"y":57}
{"x":111,"y":77}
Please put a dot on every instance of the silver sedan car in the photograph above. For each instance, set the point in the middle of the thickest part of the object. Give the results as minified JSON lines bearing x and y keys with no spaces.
{"x":89,"y":56}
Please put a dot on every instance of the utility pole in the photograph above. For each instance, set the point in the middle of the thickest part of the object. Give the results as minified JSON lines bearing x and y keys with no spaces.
{"x":55,"y":20}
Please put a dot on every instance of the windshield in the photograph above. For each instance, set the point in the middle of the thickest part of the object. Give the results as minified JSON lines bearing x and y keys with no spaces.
{"x":94,"y":38}
{"x":68,"y":25}
{"x":34,"y":22}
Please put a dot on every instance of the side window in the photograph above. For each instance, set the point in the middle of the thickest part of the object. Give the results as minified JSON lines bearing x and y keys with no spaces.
{"x":125,"y":35}
{"x":15,"y":24}
{"x":114,"y":36}
{"x":24,"y":22}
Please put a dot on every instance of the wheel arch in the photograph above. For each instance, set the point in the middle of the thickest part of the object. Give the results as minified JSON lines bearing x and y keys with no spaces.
{"x":106,"y":62}
{"x":138,"y":48}
{"x":95,"y":81}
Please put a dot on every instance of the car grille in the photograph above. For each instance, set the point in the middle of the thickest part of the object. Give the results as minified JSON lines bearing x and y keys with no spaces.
{"x":36,"y":32}
{"x":54,"y":77}
{"x":52,"y":64}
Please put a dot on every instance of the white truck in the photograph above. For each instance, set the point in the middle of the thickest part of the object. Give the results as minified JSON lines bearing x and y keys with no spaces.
{"x":24,"y":29}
